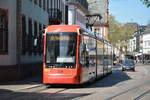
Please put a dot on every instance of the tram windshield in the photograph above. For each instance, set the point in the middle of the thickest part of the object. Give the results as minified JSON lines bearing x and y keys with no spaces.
{"x":61,"y":48}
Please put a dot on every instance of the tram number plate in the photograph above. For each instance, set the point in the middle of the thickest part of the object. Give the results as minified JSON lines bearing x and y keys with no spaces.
{"x":60,"y":71}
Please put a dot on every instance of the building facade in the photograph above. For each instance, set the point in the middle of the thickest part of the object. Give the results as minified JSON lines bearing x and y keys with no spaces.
{"x":140,"y":44}
{"x":146,"y":45}
{"x":57,"y":12}
{"x":132,"y":44}
{"x":21,"y":25}
{"x":77,"y":11}
{"x":68,"y":12}
{"x":20,"y":37}
{"x":100,"y":7}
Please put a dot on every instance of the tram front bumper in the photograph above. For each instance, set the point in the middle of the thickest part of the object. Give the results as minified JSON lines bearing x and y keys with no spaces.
{"x":61,"y":79}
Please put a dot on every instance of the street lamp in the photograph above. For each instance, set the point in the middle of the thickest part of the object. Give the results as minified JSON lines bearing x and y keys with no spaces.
{"x":91,"y":19}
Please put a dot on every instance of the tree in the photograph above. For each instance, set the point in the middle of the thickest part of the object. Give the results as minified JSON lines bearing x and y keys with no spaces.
{"x":119,"y":34}
{"x":114,"y":28}
{"x":146,"y":2}
{"x":127,"y":30}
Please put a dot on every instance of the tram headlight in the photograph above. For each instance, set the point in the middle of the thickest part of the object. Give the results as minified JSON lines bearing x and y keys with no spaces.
{"x":46,"y":70}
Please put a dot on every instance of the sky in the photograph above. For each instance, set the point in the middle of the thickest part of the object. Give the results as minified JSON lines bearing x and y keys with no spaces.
{"x":129,"y":11}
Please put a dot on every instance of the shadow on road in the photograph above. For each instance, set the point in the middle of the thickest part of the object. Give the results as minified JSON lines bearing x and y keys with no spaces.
{"x":13,"y":95}
{"x":116,"y":77}
{"x":32,"y":80}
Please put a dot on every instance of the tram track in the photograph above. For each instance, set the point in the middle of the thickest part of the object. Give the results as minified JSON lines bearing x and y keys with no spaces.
{"x":131,"y":89}
{"x":142,"y":95}
{"x":135,"y":89}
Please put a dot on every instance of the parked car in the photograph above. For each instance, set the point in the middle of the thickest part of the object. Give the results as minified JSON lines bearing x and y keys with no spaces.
{"x":128,"y":65}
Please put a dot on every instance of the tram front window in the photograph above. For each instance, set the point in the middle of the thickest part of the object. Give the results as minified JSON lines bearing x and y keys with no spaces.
{"x":61,"y":49}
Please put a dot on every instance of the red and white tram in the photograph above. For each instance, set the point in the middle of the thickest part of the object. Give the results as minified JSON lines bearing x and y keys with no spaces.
{"x":74,"y":55}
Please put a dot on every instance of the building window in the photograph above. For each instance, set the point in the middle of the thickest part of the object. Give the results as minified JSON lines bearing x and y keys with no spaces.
{"x":58,"y":4}
{"x":63,"y":16}
{"x":30,"y":37}
{"x":35,"y":28}
{"x":30,"y":26}
{"x":40,"y":28}
{"x":40,"y":46}
{"x":35,"y":1}
{"x":24,"y":36}
{"x":3,"y":31}
{"x":47,"y":5}
{"x":147,"y":43}
{"x":35,"y":37}
{"x":55,"y":4}
{"x":40,"y":3}
{"x":51,"y":4}
{"x":44,"y":6}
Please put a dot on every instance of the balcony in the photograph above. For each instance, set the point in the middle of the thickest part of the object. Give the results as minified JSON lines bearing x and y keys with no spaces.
{"x":55,"y":16}
{"x":82,"y":3}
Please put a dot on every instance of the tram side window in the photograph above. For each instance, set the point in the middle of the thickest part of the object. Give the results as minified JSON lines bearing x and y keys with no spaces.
{"x":100,"y":55}
{"x":83,"y":54}
{"x":92,"y":51}
{"x":88,"y":51}
{"x":110,"y":55}
{"x":105,"y":61}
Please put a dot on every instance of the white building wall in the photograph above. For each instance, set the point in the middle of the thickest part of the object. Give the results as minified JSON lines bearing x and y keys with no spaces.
{"x":71,"y":15}
{"x":132,"y":44}
{"x":80,"y":18}
{"x":146,"y":43}
{"x":129,"y":45}
{"x":10,"y":58}
{"x":76,"y":16}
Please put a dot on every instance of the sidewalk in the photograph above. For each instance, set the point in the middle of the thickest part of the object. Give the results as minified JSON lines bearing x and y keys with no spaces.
{"x":22,"y":84}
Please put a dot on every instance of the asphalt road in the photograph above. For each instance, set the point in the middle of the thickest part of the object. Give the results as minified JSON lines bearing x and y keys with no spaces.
{"x":127,"y":85}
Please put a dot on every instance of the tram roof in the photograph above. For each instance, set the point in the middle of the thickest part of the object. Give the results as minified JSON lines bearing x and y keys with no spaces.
{"x":73,"y":28}
{"x":62,"y":28}
{"x":91,"y":33}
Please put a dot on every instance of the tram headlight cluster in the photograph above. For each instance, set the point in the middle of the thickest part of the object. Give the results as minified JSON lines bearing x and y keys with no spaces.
{"x":70,"y":67}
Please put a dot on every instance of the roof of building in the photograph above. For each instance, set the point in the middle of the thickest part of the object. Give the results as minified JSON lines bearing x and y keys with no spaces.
{"x":147,"y":29}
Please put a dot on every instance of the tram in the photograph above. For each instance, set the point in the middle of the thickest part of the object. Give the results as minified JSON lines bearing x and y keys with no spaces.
{"x":74,"y":55}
